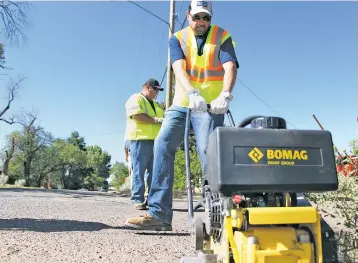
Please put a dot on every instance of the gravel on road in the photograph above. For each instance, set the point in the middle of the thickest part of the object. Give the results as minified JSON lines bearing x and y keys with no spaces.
{"x":39,"y":225}
{"x":50,"y":226}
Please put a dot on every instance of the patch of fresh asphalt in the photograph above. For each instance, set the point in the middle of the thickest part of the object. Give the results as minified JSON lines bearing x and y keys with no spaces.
{"x":49,"y":226}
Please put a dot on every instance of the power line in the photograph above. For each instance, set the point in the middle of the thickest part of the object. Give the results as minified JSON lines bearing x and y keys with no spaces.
{"x":150,"y":13}
{"x":182,"y":3}
{"x":182,"y":26}
{"x":264,"y":102}
{"x":161,"y":19}
{"x":101,"y":134}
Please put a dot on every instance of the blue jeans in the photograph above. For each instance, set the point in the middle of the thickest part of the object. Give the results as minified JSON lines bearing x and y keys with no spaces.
{"x":170,"y":137}
{"x":142,"y":160}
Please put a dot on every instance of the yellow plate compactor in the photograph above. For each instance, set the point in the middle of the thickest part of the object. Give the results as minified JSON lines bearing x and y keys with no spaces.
{"x":252,"y":179}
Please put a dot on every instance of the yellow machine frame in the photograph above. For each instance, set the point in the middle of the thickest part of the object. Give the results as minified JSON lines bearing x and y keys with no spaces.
{"x":268,"y":225}
{"x":248,"y":234}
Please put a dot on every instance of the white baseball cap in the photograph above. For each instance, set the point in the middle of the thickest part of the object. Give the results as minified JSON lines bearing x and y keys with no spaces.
{"x":198,"y":6}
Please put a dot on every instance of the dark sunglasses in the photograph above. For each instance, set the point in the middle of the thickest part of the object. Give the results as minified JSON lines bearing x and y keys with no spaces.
{"x":197,"y":18}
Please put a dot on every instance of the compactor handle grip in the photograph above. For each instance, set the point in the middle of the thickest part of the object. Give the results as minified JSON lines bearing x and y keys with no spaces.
{"x":228,"y":112}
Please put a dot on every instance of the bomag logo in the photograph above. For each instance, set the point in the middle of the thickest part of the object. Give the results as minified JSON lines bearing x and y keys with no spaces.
{"x":256,"y":155}
{"x":287,"y":154}
{"x":278,"y":156}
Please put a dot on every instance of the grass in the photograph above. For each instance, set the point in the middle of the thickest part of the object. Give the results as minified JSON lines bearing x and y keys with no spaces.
{"x":17,"y":186}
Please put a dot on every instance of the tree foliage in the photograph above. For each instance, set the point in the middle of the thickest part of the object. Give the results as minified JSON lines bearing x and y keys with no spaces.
{"x":119,"y":172}
{"x":76,"y":140}
{"x":342,"y":206}
{"x":98,"y":166}
{"x":34,"y":154}
{"x":180,"y":166}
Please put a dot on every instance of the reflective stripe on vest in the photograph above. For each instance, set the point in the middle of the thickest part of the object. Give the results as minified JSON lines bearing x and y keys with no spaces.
{"x":206,"y":71}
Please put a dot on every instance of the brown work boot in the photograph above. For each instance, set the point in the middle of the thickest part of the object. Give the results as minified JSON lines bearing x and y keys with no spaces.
{"x":147,"y":222}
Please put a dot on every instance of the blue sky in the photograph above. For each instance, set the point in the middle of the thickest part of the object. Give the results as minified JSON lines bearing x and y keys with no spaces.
{"x":83,"y":60}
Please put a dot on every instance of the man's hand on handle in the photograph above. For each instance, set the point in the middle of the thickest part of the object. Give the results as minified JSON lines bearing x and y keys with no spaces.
{"x":221,"y":104}
{"x":196,"y":102}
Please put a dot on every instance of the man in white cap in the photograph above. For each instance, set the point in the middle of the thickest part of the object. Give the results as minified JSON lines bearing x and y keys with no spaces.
{"x":205,"y":67}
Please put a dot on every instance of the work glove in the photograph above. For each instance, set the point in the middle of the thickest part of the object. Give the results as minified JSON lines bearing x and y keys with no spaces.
{"x":221,"y":104}
{"x":158,"y":120}
{"x":196,"y":102}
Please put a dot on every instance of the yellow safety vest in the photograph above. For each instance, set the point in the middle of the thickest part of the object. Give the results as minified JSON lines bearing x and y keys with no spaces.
{"x":135,"y":130}
{"x":206,"y":72}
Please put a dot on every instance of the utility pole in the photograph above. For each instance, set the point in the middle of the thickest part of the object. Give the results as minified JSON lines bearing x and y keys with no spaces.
{"x":168,"y":99}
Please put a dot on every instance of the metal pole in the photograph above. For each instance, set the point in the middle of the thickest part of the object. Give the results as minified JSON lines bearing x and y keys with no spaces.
{"x":319,"y":124}
{"x":168,"y":99}
{"x":339,"y":154}
{"x":187,"y":168}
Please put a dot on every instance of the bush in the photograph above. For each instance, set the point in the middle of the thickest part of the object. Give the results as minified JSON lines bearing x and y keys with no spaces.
{"x":20,"y":183}
{"x":3,"y":179}
{"x":341,"y":208}
{"x":180,"y":170}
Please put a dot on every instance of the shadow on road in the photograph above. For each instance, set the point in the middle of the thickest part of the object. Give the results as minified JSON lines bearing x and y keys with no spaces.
{"x":162,"y":234}
{"x":186,"y":210}
{"x":75,"y":193}
{"x":57,"y":225}
{"x":50,"y":225}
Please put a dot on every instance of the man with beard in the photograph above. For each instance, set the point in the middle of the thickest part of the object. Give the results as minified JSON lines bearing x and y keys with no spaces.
{"x":205,"y":67}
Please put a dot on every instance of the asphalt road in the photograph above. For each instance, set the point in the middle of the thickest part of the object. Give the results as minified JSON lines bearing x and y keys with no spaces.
{"x":72,"y":226}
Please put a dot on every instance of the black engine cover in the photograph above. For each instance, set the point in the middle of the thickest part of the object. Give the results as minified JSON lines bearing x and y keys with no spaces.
{"x":251,"y":160}
{"x":268,"y":123}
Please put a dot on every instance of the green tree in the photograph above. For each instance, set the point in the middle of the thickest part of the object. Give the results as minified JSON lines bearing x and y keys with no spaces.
{"x":57,"y":162}
{"x":78,"y":172}
{"x":77,"y":140}
{"x":119,"y":171}
{"x":98,"y":163}
{"x":180,"y":167}
{"x":73,"y":160}
{"x":32,"y":139}
{"x":45,"y":161}
{"x":9,"y":151}
{"x":35,"y":155}
{"x":32,"y":157}
{"x":16,"y":168}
